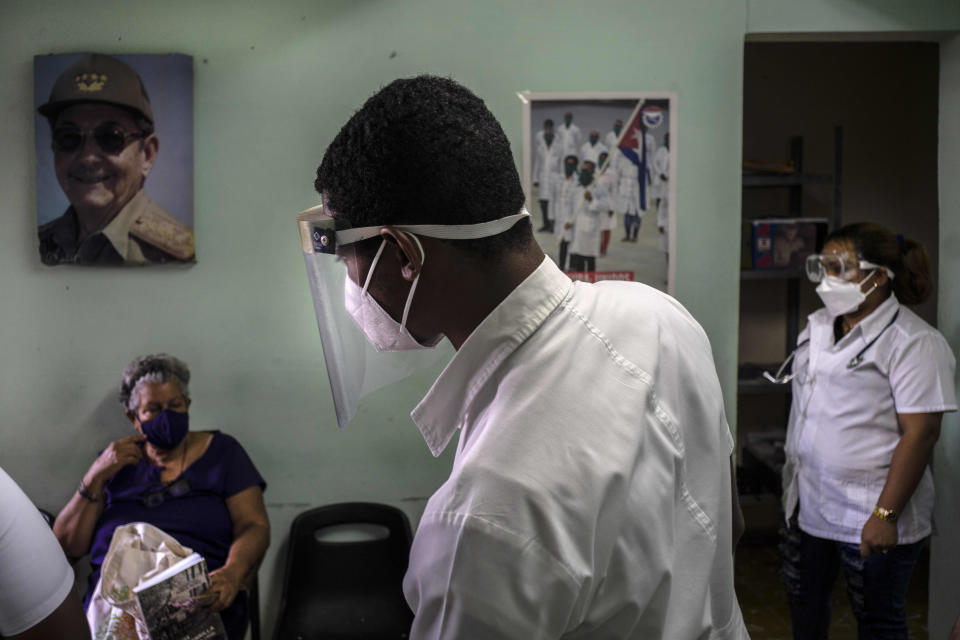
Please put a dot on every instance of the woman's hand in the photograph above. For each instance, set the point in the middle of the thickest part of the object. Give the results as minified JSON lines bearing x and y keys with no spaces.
{"x":878,"y":536}
{"x":116,"y":456}
{"x":223,"y":589}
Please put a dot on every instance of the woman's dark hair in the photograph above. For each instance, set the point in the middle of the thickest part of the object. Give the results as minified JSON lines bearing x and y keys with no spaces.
{"x":912,"y":282}
{"x":424,"y":150}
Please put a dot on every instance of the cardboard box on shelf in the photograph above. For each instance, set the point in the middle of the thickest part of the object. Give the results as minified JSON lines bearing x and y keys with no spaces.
{"x":785,"y":243}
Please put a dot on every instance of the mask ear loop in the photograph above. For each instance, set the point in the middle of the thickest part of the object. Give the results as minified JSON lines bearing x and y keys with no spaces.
{"x":373,"y":265}
{"x":413,"y":287}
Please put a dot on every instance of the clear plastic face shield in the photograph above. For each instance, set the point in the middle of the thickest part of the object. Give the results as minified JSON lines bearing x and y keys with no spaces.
{"x":355,"y":367}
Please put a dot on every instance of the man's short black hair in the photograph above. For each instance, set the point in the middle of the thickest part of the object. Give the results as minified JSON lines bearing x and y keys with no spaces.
{"x":424,"y":150}
{"x":548,"y":123}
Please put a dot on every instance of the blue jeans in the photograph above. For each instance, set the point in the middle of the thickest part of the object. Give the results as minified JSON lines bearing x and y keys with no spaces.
{"x":876,"y":586}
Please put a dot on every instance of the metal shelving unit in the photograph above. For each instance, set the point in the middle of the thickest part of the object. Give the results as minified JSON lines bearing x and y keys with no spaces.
{"x":761,"y":453}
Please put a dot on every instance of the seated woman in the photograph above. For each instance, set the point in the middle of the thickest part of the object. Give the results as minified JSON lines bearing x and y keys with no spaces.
{"x":198,"y":486}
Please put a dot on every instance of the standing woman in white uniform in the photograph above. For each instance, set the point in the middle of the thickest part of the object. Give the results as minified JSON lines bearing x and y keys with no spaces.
{"x":871,"y":381}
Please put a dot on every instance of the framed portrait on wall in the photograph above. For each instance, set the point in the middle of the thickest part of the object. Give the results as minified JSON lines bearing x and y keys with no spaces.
{"x":598,"y":171}
{"x":114,"y":149}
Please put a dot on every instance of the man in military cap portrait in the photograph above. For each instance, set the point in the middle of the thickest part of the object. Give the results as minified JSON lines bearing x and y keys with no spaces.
{"x":104,"y":146}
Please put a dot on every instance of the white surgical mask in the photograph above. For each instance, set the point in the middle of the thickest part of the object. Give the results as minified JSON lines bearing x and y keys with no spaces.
{"x":361,"y":342}
{"x":383,"y":332}
{"x":840,"y":296}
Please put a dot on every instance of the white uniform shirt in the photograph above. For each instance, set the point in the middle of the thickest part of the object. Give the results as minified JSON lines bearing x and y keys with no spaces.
{"x":588,"y":218}
{"x":843,"y":424}
{"x":590,"y":493}
{"x":35,"y":577}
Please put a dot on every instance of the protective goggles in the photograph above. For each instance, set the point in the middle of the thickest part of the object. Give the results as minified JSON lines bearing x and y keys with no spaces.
{"x":354,"y":367}
{"x":838,"y":265}
{"x":111,"y":138}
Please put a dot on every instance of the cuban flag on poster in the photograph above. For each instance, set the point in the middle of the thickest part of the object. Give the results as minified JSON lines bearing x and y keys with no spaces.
{"x":633,"y":142}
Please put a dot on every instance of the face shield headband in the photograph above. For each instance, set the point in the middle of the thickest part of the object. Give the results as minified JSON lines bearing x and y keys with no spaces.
{"x":354,"y":367}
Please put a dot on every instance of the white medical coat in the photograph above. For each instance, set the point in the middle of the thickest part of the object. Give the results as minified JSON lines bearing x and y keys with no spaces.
{"x":592,"y":152}
{"x":570,"y":137}
{"x":588,"y":219}
{"x":547,"y":165}
{"x":564,"y":204}
{"x":590,"y":492}
{"x":843,"y":423}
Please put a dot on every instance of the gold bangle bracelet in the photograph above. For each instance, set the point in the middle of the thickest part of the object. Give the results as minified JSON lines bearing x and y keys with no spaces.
{"x":887,"y":515}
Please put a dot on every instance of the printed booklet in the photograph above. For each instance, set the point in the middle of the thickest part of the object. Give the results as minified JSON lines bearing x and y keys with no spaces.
{"x":170,"y":606}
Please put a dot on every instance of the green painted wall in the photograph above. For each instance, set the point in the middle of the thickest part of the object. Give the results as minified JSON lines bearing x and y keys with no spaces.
{"x":274,"y":82}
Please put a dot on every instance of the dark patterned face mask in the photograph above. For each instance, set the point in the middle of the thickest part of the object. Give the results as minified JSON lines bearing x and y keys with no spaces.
{"x":167,"y":429}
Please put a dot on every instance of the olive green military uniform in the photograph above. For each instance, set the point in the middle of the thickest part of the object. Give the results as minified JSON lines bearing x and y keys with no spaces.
{"x":141,"y":233}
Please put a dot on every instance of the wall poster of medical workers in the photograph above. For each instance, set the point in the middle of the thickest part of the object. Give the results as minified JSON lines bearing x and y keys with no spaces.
{"x":598,"y":171}
{"x":114,"y":141}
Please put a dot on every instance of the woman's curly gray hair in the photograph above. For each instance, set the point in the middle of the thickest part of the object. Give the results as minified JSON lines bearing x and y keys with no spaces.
{"x":159,"y":368}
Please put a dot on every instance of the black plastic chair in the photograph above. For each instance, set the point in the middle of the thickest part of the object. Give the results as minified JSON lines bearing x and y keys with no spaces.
{"x":344,"y":574}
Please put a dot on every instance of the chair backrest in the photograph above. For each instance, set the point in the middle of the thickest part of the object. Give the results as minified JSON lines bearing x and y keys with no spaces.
{"x":344,"y":574}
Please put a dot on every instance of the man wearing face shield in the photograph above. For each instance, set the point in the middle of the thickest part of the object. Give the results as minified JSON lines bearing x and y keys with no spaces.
{"x":871,"y":381}
{"x":591,"y":491}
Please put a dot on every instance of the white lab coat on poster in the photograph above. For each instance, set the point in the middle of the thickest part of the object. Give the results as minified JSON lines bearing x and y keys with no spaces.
{"x":592,"y":152}
{"x":588,"y":221}
{"x":608,"y":180}
{"x":611,"y":139}
{"x":564,"y":206}
{"x":661,"y":167}
{"x":547,"y":164}
{"x":570,"y":138}
{"x":660,"y":172}
{"x":627,"y":193}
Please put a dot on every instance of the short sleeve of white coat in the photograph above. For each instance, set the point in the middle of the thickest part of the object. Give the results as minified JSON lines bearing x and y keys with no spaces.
{"x":471,"y":579}
{"x":35,"y":577}
{"x":922,"y":375}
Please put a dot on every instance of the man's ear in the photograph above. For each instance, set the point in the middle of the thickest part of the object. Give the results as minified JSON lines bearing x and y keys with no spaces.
{"x":131,"y":417}
{"x":151,"y":146}
{"x":408,"y":251}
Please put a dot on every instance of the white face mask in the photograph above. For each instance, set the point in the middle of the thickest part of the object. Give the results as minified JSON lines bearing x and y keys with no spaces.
{"x":383,"y":332}
{"x":354,"y":330}
{"x":840,"y":296}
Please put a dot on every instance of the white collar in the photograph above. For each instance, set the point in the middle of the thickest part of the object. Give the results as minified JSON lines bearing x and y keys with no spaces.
{"x":442,"y":410}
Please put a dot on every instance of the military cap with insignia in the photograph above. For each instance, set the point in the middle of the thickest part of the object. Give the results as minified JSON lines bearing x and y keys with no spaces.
{"x":98,"y":78}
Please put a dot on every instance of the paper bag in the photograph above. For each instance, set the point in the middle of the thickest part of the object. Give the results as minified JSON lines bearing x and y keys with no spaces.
{"x":137,"y":552}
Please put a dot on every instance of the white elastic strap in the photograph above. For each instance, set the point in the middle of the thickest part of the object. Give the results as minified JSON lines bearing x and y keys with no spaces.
{"x":373,"y":265}
{"x":869,"y":265}
{"x":442,"y":231}
{"x":413,"y":287}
